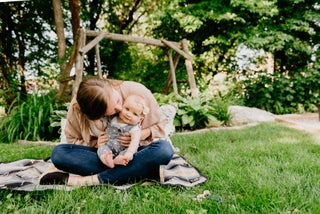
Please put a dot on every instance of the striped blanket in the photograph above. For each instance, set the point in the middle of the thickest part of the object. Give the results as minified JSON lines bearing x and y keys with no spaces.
{"x":23,"y":175}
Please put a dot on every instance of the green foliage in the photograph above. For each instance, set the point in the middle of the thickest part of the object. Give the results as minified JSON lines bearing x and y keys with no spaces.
{"x":281,"y":94}
{"x":199,"y":112}
{"x":215,"y":29}
{"x":148,"y":65}
{"x":30,"y":119}
{"x":58,"y":116}
{"x":25,"y":41}
{"x":193,"y":113}
{"x":8,"y":92}
{"x":209,"y":109}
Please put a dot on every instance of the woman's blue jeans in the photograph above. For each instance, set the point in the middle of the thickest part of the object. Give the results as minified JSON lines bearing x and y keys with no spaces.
{"x":83,"y":160}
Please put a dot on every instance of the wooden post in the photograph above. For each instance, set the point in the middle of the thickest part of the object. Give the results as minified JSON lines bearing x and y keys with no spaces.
{"x":173,"y":74}
{"x":169,"y":78}
{"x":188,"y":63}
{"x":98,"y":61}
{"x":79,"y":62}
{"x":92,"y":43}
{"x":176,"y":48}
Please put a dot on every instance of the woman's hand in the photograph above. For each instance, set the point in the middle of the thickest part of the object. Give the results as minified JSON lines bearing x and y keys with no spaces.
{"x":124,"y":140}
{"x":102,"y":139}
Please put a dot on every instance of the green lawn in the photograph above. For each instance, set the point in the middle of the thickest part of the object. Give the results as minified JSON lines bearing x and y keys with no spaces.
{"x":267,"y":168}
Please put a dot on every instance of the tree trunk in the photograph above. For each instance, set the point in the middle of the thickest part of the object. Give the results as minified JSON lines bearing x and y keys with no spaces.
{"x":75,"y":21}
{"x":61,"y":40}
{"x":75,"y":17}
{"x":22,"y":60}
{"x":60,"y":32}
{"x":93,"y":18}
{"x":280,"y":61}
{"x":7,"y":59}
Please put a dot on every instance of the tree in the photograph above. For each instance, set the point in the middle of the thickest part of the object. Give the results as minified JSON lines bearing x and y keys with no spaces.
{"x":286,"y":28}
{"x":116,"y":17}
{"x":58,"y":17}
{"x":290,"y":34}
{"x":22,"y":43}
{"x":65,"y":68}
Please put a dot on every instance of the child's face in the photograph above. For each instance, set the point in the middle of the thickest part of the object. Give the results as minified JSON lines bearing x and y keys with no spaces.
{"x":131,"y":113}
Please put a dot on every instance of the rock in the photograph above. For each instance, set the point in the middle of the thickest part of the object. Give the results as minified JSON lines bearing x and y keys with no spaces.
{"x":63,"y":138}
{"x":244,"y":115}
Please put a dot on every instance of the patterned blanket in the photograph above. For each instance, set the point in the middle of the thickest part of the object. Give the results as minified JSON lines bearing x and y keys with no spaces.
{"x":23,"y":175}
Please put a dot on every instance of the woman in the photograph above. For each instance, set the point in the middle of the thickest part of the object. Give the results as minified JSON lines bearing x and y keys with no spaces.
{"x":85,"y":129}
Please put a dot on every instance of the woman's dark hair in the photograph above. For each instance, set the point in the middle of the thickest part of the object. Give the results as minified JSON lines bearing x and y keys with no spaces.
{"x":91,"y":97}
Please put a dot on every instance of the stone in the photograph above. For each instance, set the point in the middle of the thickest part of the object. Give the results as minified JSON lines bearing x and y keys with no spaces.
{"x":245,"y":115}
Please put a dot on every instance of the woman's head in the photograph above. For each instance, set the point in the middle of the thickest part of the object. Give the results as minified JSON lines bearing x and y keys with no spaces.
{"x":97,"y":98}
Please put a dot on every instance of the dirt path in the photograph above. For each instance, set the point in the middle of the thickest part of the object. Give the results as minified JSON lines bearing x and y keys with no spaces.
{"x":309,"y":122}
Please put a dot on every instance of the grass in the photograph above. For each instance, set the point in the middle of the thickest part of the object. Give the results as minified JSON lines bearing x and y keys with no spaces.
{"x":267,"y":168}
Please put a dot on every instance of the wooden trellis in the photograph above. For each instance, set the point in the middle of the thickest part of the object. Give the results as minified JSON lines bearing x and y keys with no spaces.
{"x":180,"y":47}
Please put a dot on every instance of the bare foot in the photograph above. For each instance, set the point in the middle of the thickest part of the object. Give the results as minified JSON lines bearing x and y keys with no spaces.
{"x":120,"y":160}
{"x":107,"y":159}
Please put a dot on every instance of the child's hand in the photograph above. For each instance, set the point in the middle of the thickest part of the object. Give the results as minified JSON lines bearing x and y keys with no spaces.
{"x":128,"y":156}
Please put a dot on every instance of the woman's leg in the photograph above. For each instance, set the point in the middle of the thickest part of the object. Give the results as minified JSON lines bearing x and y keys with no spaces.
{"x":84,"y":161}
{"x":77,"y":159}
{"x":145,"y":164}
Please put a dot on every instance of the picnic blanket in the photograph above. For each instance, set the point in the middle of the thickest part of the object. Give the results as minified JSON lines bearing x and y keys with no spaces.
{"x":23,"y":175}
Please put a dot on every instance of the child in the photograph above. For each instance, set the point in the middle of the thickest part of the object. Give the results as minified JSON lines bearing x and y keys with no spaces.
{"x":129,"y":119}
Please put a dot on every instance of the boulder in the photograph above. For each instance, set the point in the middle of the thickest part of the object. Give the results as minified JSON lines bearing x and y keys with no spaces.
{"x":245,"y":115}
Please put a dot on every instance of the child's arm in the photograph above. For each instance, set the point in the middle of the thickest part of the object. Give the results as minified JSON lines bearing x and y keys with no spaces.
{"x":134,"y":144}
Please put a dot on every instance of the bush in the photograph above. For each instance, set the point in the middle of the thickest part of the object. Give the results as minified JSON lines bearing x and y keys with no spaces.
{"x":280,"y":93}
{"x":30,"y":119}
{"x":199,"y":112}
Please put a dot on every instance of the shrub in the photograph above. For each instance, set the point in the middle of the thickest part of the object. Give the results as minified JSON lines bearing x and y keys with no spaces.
{"x":280,"y":93}
{"x":30,"y":119}
{"x":199,"y":112}
{"x":194,"y":113}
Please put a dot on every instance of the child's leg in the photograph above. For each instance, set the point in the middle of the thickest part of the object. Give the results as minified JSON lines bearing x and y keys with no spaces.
{"x":107,"y":159}
{"x":120,"y":160}
{"x":123,"y":158}
{"x":105,"y":155}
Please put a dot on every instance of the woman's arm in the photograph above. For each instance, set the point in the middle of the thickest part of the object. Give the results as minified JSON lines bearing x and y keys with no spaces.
{"x":145,"y":133}
{"x":77,"y":129}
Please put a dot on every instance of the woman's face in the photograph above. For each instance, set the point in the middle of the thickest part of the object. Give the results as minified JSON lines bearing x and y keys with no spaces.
{"x":114,"y":103}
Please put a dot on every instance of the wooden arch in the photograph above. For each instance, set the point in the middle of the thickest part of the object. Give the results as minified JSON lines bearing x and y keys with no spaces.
{"x":180,"y":47}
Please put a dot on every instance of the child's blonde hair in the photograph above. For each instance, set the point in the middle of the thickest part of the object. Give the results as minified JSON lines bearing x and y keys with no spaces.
{"x":141,"y":102}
